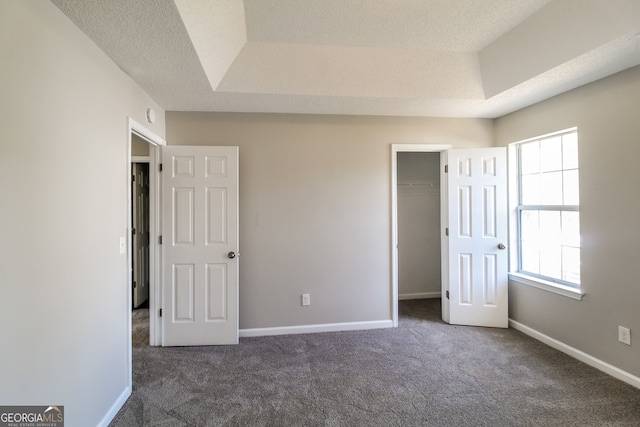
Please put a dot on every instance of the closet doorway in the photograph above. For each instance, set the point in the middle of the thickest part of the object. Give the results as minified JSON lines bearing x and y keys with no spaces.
{"x":418,"y":204}
{"x":418,"y":207}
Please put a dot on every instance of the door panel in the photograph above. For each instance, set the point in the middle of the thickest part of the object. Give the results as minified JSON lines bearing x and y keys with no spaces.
{"x":477,"y":185}
{"x":216,"y":289}
{"x":200,"y":218}
{"x":183,"y":293}
{"x":183,"y":216}
{"x":216,"y":216}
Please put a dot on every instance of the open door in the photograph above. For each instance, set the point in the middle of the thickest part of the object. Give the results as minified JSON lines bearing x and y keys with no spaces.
{"x":200,"y":245}
{"x":478,"y":231}
{"x":140,"y":231}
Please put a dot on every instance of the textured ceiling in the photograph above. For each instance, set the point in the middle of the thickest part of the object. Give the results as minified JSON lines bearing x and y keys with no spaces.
{"x":447,"y":58}
{"x":439,"y":25}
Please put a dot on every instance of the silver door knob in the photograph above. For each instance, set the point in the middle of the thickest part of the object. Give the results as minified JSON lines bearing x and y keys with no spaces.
{"x":501,"y":246}
{"x":231,"y":255}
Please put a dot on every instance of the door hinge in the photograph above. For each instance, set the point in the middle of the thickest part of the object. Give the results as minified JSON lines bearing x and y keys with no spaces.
{"x":133,"y":178}
{"x":159,"y":240}
{"x":135,"y":284}
{"x":161,"y":311}
{"x":446,"y":293}
{"x":159,"y":167}
{"x":133,"y":230}
{"x":446,"y":168}
{"x":446,"y":231}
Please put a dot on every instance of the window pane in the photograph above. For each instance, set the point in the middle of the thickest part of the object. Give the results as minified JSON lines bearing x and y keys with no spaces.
{"x":551,"y":188}
{"x":571,"y":229}
{"x":551,"y":154}
{"x":531,"y":190}
{"x":550,"y":237}
{"x":529,"y":158}
{"x":550,"y":228}
{"x":570,"y":187}
{"x":571,"y":265}
{"x":551,"y":261}
{"x":530,"y":257}
{"x":570,"y":150}
{"x":529,"y":228}
{"x":530,"y":241}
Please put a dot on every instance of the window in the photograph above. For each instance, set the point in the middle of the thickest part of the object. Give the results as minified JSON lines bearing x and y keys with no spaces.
{"x":548,"y":214}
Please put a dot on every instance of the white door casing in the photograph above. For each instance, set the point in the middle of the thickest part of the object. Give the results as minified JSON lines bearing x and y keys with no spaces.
{"x":200,"y":244}
{"x":478,"y":233}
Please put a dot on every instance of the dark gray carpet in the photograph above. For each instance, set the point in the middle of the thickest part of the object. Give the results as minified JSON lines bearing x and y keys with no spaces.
{"x":424,"y":373}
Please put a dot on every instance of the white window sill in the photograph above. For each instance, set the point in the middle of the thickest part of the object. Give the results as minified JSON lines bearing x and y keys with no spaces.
{"x":556,"y":288}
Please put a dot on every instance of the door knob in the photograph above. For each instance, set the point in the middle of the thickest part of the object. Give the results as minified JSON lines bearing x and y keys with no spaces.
{"x":231,"y":255}
{"x":501,"y":246}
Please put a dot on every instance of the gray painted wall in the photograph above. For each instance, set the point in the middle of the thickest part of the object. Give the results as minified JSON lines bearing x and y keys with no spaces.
{"x":607,"y":116}
{"x":63,"y":209}
{"x":315,"y":207}
{"x":139,"y":147}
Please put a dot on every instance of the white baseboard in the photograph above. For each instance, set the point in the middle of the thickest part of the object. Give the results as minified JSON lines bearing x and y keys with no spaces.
{"x":117,"y":405}
{"x":578,"y":354}
{"x":310,"y":329}
{"x":420,"y":295}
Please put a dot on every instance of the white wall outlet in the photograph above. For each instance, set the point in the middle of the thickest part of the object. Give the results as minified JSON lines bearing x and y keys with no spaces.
{"x":624,"y":335}
{"x":123,"y":245}
{"x":306,"y":299}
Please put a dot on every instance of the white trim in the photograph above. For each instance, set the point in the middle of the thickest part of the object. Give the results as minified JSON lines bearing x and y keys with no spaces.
{"x":577,"y":354}
{"x":512,"y":200}
{"x":444,"y":240}
{"x":514,"y":232}
{"x":395,"y":149}
{"x":113,"y":410}
{"x":312,"y":329}
{"x":144,"y":133}
{"x":133,"y":127}
{"x":420,"y":295}
{"x":545,"y":285}
{"x":139,"y":159}
{"x":546,"y":135}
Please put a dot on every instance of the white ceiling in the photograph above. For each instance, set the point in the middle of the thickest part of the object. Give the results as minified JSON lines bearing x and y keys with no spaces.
{"x":443,"y":58}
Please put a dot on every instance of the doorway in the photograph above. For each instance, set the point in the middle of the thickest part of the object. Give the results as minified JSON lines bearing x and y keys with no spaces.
{"x":473,"y":212}
{"x":140,"y":222}
{"x":151,"y":144}
{"x":419,"y":251}
{"x":144,"y":151}
{"x":417,"y":170}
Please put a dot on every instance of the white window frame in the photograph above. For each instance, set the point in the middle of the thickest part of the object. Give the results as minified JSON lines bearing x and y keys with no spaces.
{"x":514,"y":256}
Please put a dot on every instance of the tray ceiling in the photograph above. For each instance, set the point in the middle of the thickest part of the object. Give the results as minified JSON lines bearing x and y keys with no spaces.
{"x":443,"y":58}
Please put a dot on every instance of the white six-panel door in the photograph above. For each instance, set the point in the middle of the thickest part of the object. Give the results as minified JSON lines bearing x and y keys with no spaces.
{"x":200,"y":245}
{"x":477,"y":192}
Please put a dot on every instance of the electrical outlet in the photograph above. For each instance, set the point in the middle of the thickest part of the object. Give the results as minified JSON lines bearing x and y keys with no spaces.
{"x":306,"y":299}
{"x":624,"y":335}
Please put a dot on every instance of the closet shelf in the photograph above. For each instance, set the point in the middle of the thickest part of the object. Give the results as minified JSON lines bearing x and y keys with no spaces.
{"x":417,"y":184}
